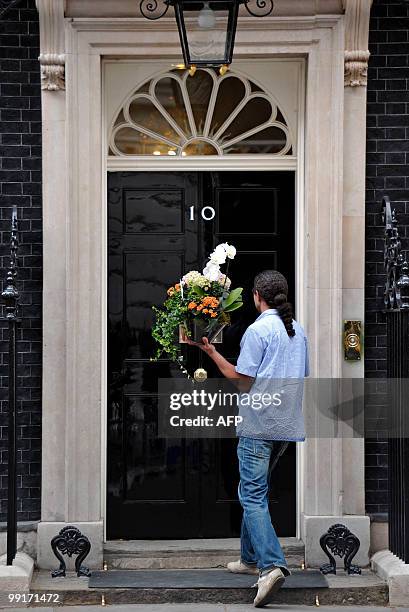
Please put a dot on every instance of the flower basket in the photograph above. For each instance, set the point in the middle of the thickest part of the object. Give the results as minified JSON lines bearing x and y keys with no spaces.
{"x":199,"y":329}
{"x":198,"y":306}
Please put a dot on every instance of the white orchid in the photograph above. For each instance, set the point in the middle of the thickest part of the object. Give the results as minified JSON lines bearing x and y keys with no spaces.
{"x":219,"y":255}
{"x":230,"y":250}
{"x":211,"y":271}
{"x":221,"y":252}
{"x":217,"y":258}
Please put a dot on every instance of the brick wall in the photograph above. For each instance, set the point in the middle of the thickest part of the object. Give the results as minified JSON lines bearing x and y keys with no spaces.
{"x":387,"y":173}
{"x":20,"y":183}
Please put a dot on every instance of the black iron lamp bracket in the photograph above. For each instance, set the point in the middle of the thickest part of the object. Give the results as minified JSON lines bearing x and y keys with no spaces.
{"x":259,"y":8}
{"x":70,"y":541}
{"x":154,"y":9}
{"x":341,"y":542}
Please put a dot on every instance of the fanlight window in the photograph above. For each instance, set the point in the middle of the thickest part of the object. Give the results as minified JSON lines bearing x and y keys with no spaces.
{"x":207,"y":114}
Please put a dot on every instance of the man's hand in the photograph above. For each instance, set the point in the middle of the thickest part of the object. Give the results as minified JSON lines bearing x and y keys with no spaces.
{"x":226,"y":368}
{"x":208,"y":348}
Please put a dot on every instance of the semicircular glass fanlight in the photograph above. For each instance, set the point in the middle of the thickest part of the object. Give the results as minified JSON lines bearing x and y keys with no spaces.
{"x":207,"y":114}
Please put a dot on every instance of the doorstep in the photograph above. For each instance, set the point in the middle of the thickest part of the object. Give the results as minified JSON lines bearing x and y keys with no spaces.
{"x":186,"y":554}
{"x":366,"y":590}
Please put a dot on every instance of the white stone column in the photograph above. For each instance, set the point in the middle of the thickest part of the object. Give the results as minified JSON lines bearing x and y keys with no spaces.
{"x":334,"y":483}
{"x":353,"y":277}
{"x":61,"y":420}
{"x":353,"y":254}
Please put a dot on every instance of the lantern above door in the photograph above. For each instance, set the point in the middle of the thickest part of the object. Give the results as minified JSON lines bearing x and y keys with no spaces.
{"x":207,"y":29}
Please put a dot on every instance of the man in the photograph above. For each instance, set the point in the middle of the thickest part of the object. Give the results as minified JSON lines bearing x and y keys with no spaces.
{"x":273,"y":354}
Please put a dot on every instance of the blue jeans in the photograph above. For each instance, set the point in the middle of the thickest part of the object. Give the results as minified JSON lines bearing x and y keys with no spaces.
{"x":259,"y":542}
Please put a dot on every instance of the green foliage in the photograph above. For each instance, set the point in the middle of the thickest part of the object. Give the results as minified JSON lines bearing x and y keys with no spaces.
{"x":234,"y":296}
{"x":198,"y":291}
{"x":233,"y":306}
{"x":166,"y":327}
{"x":233,"y":300}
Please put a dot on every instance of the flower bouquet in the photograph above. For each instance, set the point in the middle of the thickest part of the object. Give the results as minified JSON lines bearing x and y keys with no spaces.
{"x":198,"y":306}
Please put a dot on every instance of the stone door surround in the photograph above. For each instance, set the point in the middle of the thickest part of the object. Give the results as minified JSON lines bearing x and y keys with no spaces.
{"x":331,"y":230}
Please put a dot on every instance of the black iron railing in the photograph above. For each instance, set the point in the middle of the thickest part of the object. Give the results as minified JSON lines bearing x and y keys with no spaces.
{"x":11,"y":297}
{"x":396,"y":299}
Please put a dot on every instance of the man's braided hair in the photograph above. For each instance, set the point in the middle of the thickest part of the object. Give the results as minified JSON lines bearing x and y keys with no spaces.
{"x":273,"y":288}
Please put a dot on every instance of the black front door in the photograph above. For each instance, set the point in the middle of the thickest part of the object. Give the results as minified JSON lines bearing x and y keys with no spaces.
{"x":161,"y":225}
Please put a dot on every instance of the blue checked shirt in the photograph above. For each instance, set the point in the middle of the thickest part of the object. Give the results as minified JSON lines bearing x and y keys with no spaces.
{"x":278,"y":363}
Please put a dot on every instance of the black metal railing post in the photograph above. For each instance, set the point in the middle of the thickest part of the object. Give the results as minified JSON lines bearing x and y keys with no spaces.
{"x":396,"y":300}
{"x":11,"y":297}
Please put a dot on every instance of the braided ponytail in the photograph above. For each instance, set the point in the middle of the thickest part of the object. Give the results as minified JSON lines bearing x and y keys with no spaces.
{"x":272,"y":287}
{"x":285,"y":311}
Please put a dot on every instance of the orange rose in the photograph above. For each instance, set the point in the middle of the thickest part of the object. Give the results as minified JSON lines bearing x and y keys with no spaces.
{"x":213,"y":315}
{"x":177,"y":286}
{"x":171,"y":291}
{"x":192,"y":305}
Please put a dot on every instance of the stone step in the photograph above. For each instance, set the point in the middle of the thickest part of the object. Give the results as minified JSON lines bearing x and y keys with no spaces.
{"x":364,"y":590}
{"x":186,"y":554}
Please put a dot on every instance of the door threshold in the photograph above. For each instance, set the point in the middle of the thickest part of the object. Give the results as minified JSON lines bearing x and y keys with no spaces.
{"x":186,"y":554}
{"x":194,"y":544}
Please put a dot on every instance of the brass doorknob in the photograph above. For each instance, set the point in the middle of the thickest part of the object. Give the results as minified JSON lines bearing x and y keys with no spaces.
{"x":200,"y":375}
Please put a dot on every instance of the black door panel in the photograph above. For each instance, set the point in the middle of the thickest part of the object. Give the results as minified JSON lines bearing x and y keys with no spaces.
{"x":161,"y":488}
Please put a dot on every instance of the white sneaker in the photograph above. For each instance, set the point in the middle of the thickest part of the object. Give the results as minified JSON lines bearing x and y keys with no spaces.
{"x":238,"y":567}
{"x":268,"y":585}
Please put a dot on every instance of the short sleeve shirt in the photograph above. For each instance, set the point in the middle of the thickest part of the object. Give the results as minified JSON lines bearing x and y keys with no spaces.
{"x":278,"y":363}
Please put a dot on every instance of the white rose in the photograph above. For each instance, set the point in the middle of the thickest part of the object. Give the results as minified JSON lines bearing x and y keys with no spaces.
{"x":211,"y":271}
{"x":230,"y":251}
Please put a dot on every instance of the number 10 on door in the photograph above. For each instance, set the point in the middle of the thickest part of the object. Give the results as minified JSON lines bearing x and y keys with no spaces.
{"x":208,"y":213}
